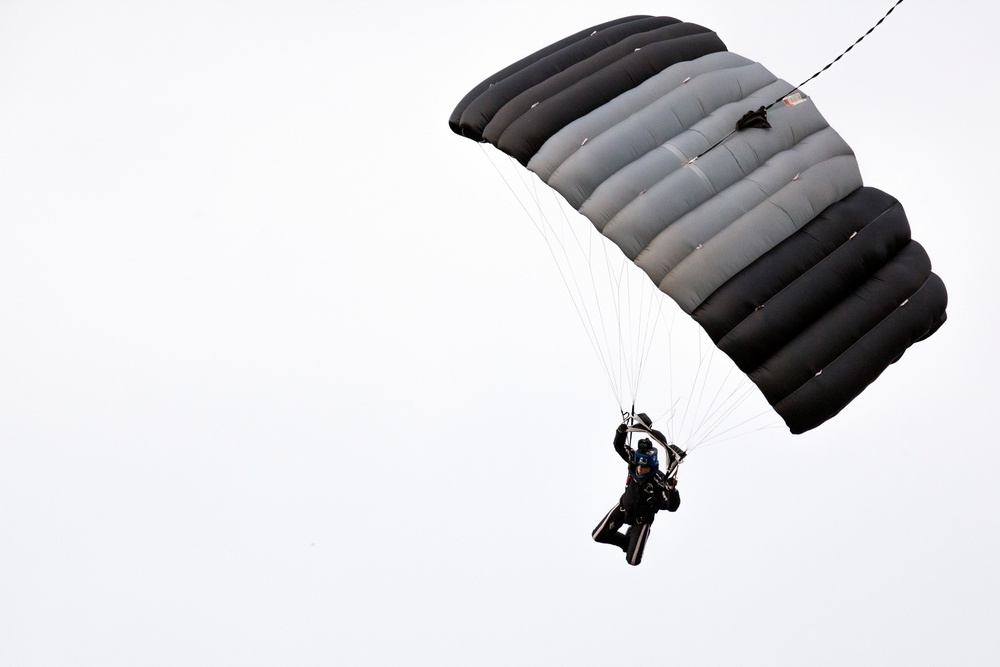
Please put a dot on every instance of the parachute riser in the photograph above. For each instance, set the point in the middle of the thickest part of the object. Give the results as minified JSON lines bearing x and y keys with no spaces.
{"x":674,"y":454}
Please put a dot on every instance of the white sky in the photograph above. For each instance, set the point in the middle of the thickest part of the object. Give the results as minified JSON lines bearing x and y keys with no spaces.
{"x":288,"y":378}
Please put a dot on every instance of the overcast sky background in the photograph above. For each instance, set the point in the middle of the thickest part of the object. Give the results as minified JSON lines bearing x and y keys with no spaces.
{"x":288,"y":378}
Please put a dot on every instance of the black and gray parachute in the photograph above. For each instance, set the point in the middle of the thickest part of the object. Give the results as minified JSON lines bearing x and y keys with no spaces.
{"x":808,"y":280}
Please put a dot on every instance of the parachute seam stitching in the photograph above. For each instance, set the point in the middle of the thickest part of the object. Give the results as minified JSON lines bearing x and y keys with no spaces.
{"x":611,"y":222}
{"x":855,"y":343}
{"x":615,"y":63}
{"x":717,"y":192}
{"x":653,"y":101}
{"x":686,"y":128}
{"x":850,"y":153}
{"x":559,"y":69}
{"x":804,"y":273}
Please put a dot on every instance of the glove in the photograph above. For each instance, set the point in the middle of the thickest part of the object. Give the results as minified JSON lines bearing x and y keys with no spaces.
{"x":643,"y":419}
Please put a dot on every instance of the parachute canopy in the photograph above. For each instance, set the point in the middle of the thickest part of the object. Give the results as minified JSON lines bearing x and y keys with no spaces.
{"x":808,"y":280}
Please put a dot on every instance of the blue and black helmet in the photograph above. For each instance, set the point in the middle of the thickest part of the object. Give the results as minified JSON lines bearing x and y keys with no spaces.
{"x":646,"y":454}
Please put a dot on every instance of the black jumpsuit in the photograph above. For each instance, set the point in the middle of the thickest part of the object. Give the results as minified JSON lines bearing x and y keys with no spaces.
{"x":637,"y":506}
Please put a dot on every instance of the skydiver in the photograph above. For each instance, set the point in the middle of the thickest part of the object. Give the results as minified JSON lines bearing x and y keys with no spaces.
{"x":647,"y":490}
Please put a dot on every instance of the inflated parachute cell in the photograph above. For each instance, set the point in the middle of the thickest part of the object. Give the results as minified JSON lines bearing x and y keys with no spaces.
{"x":808,"y":280}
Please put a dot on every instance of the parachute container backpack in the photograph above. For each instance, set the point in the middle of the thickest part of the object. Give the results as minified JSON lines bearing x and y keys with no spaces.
{"x":765,"y":235}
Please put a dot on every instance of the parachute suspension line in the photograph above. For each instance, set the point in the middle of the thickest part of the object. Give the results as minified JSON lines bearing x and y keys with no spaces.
{"x":699,"y":378}
{"x":720,"y":413}
{"x":705,"y":366}
{"x":728,"y":433}
{"x":636,"y":311}
{"x":588,"y":253}
{"x":656,"y":299}
{"x":667,"y":417}
{"x":635,"y":335}
{"x":631,"y":355}
{"x":718,"y":438}
{"x":637,"y":307}
{"x":713,"y":406}
{"x":540,"y":226}
{"x":512,"y":191}
{"x":596,"y":291}
{"x":670,"y":382}
{"x":698,"y":410}
{"x":631,"y":296}
{"x":834,"y":61}
{"x":577,"y":296}
{"x":695,"y":381}
{"x":617,"y":282}
{"x":615,"y":290}
{"x":706,"y":420}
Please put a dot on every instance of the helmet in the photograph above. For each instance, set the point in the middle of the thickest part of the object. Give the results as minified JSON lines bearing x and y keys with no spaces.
{"x":646,"y":454}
